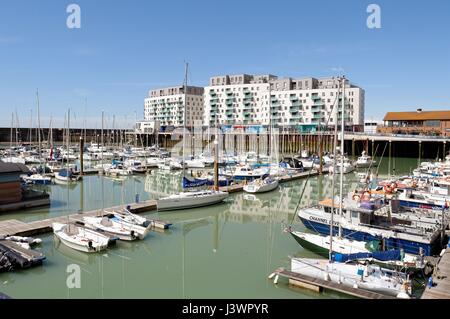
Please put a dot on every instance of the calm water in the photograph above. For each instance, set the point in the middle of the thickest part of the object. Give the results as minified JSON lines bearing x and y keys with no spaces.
{"x":222,"y":251}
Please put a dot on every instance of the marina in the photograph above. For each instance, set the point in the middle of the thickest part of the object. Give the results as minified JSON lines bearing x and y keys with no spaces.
{"x":183,"y":151}
{"x":271,"y":210}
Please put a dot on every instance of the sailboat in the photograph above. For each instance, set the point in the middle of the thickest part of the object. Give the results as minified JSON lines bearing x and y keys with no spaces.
{"x":38,"y":178}
{"x":66,"y":175}
{"x":269,"y":183}
{"x":368,"y":277}
{"x":191,"y":199}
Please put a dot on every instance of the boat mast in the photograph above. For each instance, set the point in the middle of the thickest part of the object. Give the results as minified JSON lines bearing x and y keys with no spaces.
{"x":341,"y":182}
{"x":270,"y":126}
{"x":333,"y":183}
{"x":39,"y":127}
{"x":103,"y":114}
{"x":11,"y":138}
{"x":68,"y":140}
{"x":184,"y":118}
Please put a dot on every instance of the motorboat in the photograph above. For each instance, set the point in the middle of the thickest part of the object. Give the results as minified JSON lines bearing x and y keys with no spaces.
{"x":123,"y":230}
{"x":368,"y":277}
{"x":81,"y":238}
{"x":364,"y":161}
{"x":347,"y":166}
{"x":262,"y":185}
{"x":394,"y":259}
{"x":128,"y":217}
{"x":245,"y":172}
{"x":38,"y":179}
{"x":67,"y":176}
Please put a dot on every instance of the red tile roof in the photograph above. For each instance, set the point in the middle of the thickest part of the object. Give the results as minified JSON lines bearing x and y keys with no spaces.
{"x":417,"y":116}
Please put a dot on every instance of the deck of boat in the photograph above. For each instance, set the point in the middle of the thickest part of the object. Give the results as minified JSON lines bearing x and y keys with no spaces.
{"x":441,"y":279}
{"x":316,"y":284}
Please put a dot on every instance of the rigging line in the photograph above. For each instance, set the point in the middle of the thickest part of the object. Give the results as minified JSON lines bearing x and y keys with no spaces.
{"x":309,"y":174}
{"x":381,"y":159}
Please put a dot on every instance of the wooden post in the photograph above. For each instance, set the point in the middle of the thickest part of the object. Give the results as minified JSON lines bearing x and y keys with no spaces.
{"x":443,"y":152}
{"x":353,"y":148}
{"x":81,"y":155}
{"x":373,"y":148}
{"x":389,"y":161}
{"x":420,"y":152}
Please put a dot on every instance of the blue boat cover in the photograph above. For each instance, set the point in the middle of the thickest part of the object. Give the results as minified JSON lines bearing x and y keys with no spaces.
{"x":194,"y":182}
{"x":379,"y":255}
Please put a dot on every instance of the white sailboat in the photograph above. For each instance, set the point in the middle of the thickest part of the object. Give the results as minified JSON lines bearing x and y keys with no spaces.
{"x":269,"y":183}
{"x":80,"y":238}
{"x":191,"y":199}
{"x":265,"y":185}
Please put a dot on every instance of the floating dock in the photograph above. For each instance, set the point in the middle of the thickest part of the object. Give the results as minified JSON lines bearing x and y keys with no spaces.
{"x":19,"y":228}
{"x":318,"y":285}
{"x":441,"y":279}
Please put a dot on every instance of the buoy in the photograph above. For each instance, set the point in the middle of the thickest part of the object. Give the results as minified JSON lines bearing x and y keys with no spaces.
{"x":355,"y":286}
{"x":326,"y":277}
{"x":276,"y":280}
{"x":271,"y":275}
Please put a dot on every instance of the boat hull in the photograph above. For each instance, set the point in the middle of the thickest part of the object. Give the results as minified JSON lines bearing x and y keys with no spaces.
{"x":410,"y":247}
{"x":186,"y":203}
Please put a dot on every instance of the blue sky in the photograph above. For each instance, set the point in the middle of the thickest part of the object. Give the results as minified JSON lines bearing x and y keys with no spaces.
{"x":125,"y":48}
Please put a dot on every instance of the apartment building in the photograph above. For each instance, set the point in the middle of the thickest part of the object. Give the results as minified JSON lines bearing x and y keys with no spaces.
{"x":264,"y":99}
{"x":167,"y":106}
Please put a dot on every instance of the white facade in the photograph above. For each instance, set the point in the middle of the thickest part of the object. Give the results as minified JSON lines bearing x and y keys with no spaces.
{"x":244,"y":99}
{"x":168,"y":105}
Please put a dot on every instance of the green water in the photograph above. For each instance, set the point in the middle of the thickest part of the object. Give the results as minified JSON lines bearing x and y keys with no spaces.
{"x":222,"y":251}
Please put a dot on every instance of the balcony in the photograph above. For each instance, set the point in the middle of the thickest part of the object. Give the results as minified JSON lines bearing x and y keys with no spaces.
{"x":318,"y":103}
{"x":293,"y":98}
{"x":294,"y":109}
{"x":229,"y":111}
{"x":298,"y":103}
{"x":315,"y":97}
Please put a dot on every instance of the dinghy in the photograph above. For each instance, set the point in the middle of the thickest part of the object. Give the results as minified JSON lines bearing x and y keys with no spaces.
{"x":121,"y":229}
{"x":80,"y":238}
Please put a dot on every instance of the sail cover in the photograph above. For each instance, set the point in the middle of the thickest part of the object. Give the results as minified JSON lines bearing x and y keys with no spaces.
{"x":379,"y":255}
{"x":195,"y":182}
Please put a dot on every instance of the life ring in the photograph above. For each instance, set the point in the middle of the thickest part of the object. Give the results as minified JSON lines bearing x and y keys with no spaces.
{"x":366,"y":195}
{"x":356,"y":197}
{"x":394,"y":185}
{"x":388,"y":188}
